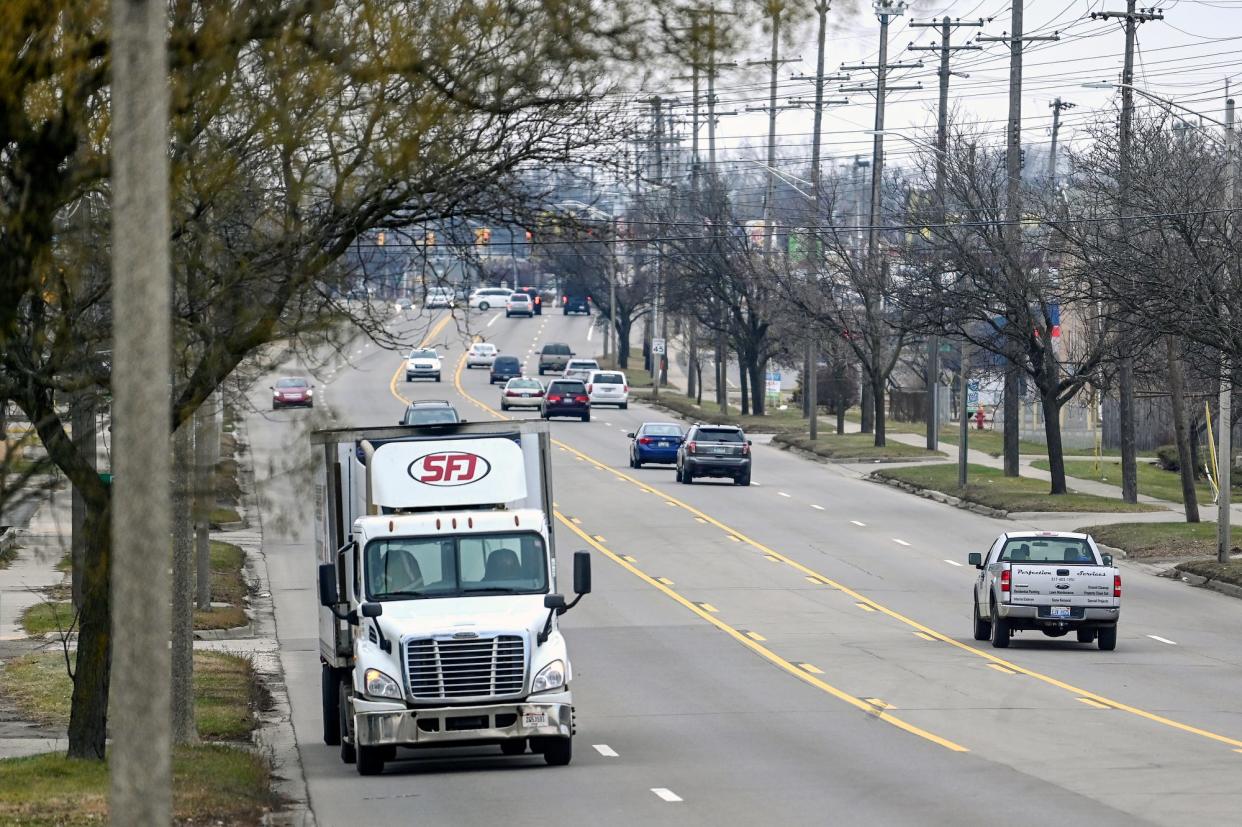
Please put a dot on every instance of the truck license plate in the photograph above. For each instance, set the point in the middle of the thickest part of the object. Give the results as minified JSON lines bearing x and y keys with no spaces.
{"x":1059,"y":611}
{"x":534,"y":719}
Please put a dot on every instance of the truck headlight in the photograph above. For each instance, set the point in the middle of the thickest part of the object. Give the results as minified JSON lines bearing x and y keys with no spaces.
{"x":379,"y":685}
{"x":550,"y":677}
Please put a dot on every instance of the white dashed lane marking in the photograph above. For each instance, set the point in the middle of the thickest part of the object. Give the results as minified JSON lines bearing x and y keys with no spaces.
{"x":605,"y":750}
{"x":493,"y":321}
{"x":900,"y":542}
{"x":1163,"y":639}
{"x":666,"y":794}
{"x":952,"y":562}
{"x":782,"y":493}
{"x":817,"y":507}
{"x":855,"y":522}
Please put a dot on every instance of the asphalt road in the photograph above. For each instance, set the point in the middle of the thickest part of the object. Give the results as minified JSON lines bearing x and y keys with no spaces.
{"x":794,"y":652}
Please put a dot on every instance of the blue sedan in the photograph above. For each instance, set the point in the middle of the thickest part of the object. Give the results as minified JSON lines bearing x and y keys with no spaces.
{"x":654,"y":442}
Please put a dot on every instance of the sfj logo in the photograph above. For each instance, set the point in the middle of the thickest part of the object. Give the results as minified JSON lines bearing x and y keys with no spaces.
{"x":456,"y":468}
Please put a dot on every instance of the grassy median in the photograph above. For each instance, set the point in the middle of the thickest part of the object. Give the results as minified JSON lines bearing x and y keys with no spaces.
{"x":776,"y":421}
{"x":1153,"y":481}
{"x":846,"y":447}
{"x":990,"y":487}
{"x":1158,"y":540}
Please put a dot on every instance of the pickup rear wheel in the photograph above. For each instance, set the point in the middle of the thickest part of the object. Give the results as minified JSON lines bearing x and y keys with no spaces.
{"x":983,"y":628}
{"x":1000,"y":630}
{"x":1107,"y":638}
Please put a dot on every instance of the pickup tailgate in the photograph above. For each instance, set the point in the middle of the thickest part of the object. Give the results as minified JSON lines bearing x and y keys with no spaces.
{"x":1062,"y":585}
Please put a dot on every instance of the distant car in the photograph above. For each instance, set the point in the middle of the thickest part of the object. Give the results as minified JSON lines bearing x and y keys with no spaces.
{"x":480,"y":355}
{"x":654,"y":442}
{"x":554,"y":357}
{"x":608,"y":387}
{"x":714,"y":451}
{"x":535,"y":296}
{"x":423,"y":362}
{"x":402,"y":304}
{"x":566,"y":397}
{"x":575,"y":303}
{"x":519,"y":304}
{"x":580,"y":368}
{"x":293,"y":392}
{"x":440,"y":297}
{"x":505,"y":368}
{"x":486,"y":298}
{"x":430,"y":412}
{"x":521,"y":393}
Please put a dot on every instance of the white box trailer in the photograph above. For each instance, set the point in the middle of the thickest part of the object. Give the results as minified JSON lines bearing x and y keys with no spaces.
{"x":437,"y":586}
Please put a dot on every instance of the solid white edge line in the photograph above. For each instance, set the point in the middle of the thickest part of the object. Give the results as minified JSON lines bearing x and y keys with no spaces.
{"x":590,"y":332}
{"x":1163,"y":640}
{"x":666,"y":794}
{"x":605,"y":750}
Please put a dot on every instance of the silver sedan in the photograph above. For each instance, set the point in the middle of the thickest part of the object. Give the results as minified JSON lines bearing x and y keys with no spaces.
{"x":521,"y":392}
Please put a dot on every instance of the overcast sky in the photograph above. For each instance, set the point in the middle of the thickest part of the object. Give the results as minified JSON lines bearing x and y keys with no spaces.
{"x":1189,"y":57}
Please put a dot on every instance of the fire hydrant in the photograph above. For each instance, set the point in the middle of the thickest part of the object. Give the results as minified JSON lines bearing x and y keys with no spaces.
{"x":979,"y":417}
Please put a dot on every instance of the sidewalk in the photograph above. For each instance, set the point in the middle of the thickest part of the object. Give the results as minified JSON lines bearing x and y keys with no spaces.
{"x":41,"y":545}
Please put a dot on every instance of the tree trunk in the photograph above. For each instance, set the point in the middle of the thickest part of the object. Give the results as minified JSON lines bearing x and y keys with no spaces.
{"x":838,"y":386}
{"x":868,"y":406}
{"x":1052,"y":433}
{"x":204,"y":497}
{"x":744,"y":378}
{"x":760,"y":390}
{"x":88,"y":716}
{"x":1129,"y":461}
{"x":877,"y":398}
{"x":692,"y":363}
{"x":1012,"y":415}
{"x":1185,"y":460}
{"x":624,"y":323}
{"x":183,"y":729}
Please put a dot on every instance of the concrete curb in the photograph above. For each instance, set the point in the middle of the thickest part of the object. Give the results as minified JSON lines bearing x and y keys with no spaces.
{"x":941,"y":497}
{"x":1206,"y":583}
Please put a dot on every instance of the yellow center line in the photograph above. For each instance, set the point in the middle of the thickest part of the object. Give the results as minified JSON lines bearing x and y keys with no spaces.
{"x":1094,"y":703}
{"x":895,"y":615}
{"x":803,"y":671}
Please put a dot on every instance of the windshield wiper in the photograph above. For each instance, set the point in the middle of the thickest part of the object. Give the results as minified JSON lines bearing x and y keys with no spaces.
{"x":387,"y":595}
{"x":494,"y":590}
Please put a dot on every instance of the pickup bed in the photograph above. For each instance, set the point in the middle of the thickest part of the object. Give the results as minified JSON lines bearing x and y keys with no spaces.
{"x":1053,"y":582}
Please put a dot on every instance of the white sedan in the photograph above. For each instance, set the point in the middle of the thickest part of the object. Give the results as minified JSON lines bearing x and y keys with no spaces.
{"x":521,"y":393}
{"x":481,"y":355}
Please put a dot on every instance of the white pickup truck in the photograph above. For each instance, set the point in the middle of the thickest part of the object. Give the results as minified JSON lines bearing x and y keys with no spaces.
{"x":437,"y":586}
{"x":1053,"y":581}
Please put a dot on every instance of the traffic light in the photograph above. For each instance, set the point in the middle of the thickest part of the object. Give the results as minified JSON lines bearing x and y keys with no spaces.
{"x":529,"y":236}
{"x":380,"y":237}
{"x":429,"y":239}
{"x":482,"y":236}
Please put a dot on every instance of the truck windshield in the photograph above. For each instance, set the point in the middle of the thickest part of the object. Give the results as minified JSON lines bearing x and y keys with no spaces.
{"x":1047,"y":550}
{"x":403,"y":568}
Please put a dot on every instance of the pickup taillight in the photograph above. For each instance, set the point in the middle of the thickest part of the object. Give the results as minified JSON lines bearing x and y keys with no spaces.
{"x":1116,"y":585}
{"x":1005,"y":581}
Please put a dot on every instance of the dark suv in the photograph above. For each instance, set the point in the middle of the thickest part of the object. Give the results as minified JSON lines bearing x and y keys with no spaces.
{"x":575,"y":303}
{"x":714,"y":451}
{"x":430,"y":412}
{"x":554,"y":357}
{"x":566,"y":397}
{"x":505,"y":368}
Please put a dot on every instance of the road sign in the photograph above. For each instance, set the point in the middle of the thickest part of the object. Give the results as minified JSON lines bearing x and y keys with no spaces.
{"x":773,"y":383}
{"x":972,"y":396}
{"x":657,"y":347}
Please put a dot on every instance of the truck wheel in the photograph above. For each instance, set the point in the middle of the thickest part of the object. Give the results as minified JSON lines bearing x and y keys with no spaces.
{"x":348,"y":754}
{"x":1000,"y":631}
{"x":558,"y":752}
{"x":330,"y":689}
{"x":514,"y":746}
{"x":1086,"y":635}
{"x":371,"y":760}
{"x":983,"y":628}
{"x":1107,"y":638}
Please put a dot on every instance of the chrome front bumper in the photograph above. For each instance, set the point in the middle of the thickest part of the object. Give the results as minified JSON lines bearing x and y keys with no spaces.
{"x":384,"y":724}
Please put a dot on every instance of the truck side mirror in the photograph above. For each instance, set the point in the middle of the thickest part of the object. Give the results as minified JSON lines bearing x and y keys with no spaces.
{"x":555,"y":602}
{"x":582,"y":572}
{"x":327,"y":585}
{"x":1107,"y":558}
{"x":975,"y":559}
{"x":372,"y":609}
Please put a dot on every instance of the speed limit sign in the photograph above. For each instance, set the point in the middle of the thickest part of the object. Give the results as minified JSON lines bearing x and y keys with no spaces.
{"x":657,"y":346}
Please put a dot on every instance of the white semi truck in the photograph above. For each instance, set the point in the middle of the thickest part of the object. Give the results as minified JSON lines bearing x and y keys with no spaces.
{"x":437,"y":586}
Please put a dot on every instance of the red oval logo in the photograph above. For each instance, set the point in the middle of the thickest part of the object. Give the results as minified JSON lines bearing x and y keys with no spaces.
{"x":449,"y":468}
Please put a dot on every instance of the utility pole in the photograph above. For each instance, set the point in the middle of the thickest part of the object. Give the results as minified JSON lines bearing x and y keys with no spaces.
{"x":1225,"y":452}
{"x":140,"y":763}
{"x":1057,"y":106}
{"x":810,"y":387}
{"x":1013,"y":209}
{"x":884,"y":10}
{"x":1125,"y":369}
{"x":656,"y":105}
{"x":946,"y":50}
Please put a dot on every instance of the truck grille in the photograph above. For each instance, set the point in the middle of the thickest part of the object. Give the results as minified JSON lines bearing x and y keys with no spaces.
{"x":459,"y":669}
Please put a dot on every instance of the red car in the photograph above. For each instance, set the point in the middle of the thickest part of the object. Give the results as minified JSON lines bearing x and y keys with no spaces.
{"x":292,"y":391}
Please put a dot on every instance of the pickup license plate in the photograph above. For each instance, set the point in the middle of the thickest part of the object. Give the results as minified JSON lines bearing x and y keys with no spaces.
{"x":1059,"y":611}
{"x":534,"y":719}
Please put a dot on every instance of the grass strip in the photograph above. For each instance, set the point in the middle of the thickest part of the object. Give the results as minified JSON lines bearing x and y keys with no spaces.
{"x":212,"y":784}
{"x":990,"y":487}
{"x":841,"y":447}
{"x":1157,"y":540}
{"x":1153,"y":481}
